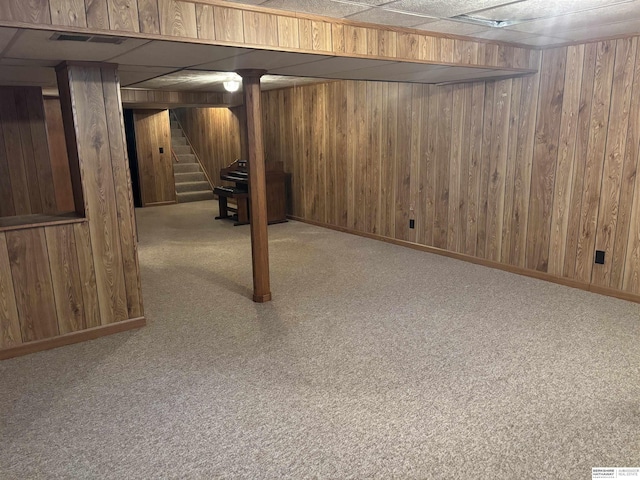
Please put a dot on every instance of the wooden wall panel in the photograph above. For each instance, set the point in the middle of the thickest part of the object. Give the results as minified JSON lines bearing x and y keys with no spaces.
{"x":535,"y":172}
{"x":153,"y":131}
{"x":25,"y":163}
{"x":65,"y":276}
{"x":177,"y":18}
{"x":100,"y":189}
{"x":59,"y":157}
{"x":10,"y":333}
{"x":32,"y":283}
{"x":123,"y":15}
{"x":149,"y":16}
{"x":69,"y":13}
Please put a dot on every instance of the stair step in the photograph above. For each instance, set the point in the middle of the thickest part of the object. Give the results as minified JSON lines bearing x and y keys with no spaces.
{"x":186,"y":168}
{"x":179,"y":141}
{"x":190,"y":177}
{"x":187,"y":158}
{"x":181,"y":149}
{"x":176,"y":132}
{"x":192,"y":187}
{"x":174,"y":125}
{"x":194,"y":196}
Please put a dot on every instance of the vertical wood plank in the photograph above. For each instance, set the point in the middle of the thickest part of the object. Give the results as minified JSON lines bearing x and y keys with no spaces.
{"x":32,"y":283}
{"x":260,"y":28}
{"x":475,"y":161}
{"x":149,"y":16}
{"x":33,"y":11}
{"x":65,"y":274}
{"x":10,"y":335}
{"x":626,"y":220}
{"x":97,"y":14}
{"x":625,"y":57}
{"x":178,"y":18}
{"x":87,"y":273}
{"x":122,"y":188}
{"x":605,"y":56}
{"x":498,"y":167}
{"x":288,"y":35}
{"x":228,"y":23}
{"x":544,"y":158}
{"x":123,"y":15}
{"x":566,"y":158}
{"x":69,"y":13}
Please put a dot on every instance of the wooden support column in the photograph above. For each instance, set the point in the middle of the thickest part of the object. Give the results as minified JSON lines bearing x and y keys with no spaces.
{"x":257,"y":184}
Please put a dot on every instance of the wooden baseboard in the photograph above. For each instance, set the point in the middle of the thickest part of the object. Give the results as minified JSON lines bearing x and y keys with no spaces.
{"x":70,"y":338}
{"x":159,"y":204}
{"x":610,"y":292}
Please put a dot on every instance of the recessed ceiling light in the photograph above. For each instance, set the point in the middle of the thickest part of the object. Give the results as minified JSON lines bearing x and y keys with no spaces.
{"x":231,"y":85}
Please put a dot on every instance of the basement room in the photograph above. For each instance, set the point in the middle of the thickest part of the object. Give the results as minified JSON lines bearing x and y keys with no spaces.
{"x":319,"y":239}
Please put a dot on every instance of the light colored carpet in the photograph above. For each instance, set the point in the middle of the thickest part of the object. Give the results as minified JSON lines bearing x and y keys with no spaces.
{"x":372,"y":361}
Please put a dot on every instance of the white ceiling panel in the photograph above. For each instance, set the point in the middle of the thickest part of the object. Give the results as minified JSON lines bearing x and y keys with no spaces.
{"x":328,"y":66}
{"x":130,"y":75}
{"x":388,"y":71}
{"x":175,"y":54}
{"x":594,"y":18}
{"x":385,"y":17}
{"x":29,"y":62}
{"x":601,"y":31}
{"x":532,"y":9}
{"x":452,"y":27}
{"x":6,"y":34}
{"x":38,"y":44}
{"x":318,"y":7}
{"x":444,"y":8}
{"x":33,"y":76}
{"x":261,"y":59}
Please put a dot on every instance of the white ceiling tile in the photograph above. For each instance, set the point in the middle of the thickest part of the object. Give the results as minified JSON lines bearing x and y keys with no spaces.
{"x":445,"y":8}
{"x":328,"y":66}
{"x":452,"y":27}
{"x":542,"y":41}
{"x":247,"y":2}
{"x":372,"y":3}
{"x":388,"y":17}
{"x":318,"y":7}
{"x":594,"y":18}
{"x":261,"y":59}
{"x":502,"y":34}
{"x":32,"y":76}
{"x":29,"y":62}
{"x":130,"y":75}
{"x":176,"y":54}
{"x":37,"y":44}
{"x":601,"y":31}
{"x":6,"y":34}
{"x":532,"y":9}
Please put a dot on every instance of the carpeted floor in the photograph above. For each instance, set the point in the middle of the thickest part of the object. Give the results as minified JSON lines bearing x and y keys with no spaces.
{"x":372,"y":361}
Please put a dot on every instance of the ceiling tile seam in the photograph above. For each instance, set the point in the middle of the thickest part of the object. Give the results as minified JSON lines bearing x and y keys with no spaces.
{"x":11,"y":42}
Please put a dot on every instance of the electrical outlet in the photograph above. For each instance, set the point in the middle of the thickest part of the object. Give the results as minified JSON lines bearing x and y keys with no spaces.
{"x":412,"y":223}
{"x":600,"y":257}
{"x":161,"y":150}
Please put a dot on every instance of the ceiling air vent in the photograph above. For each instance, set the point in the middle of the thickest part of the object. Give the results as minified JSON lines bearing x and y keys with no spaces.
{"x":87,"y":38}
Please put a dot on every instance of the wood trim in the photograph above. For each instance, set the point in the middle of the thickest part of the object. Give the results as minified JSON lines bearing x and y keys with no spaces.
{"x":157,"y":204}
{"x":71,"y":338}
{"x":609,"y":292}
{"x":47,"y":223}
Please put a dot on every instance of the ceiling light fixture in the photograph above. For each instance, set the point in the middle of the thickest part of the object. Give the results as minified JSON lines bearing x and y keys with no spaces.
{"x":231,"y":85}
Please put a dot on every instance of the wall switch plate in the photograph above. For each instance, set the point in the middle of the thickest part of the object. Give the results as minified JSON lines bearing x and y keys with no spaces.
{"x":412,"y":223}
{"x":161,"y":150}
{"x":600,"y":257}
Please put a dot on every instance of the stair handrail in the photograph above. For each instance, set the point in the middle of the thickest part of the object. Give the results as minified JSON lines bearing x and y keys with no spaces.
{"x":206,"y":175}
{"x":173,"y":154}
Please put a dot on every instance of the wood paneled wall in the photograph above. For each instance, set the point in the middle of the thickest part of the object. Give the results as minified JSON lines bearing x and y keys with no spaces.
{"x":214,"y":134}
{"x":535,"y":172}
{"x":153,"y":131}
{"x":59,"y":157}
{"x":81,"y":276}
{"x":224,"y":23}
{"x":26,"y":176}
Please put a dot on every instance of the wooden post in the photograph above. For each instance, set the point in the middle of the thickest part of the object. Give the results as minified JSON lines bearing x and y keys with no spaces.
{"x":257,"y":184}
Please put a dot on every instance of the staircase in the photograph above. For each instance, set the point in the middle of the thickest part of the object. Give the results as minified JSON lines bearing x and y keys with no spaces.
{"x":191,"y":184}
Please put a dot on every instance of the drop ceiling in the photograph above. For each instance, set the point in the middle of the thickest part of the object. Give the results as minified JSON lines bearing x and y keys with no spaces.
{"x":28,"y":57}
{"x":528,"y":22}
